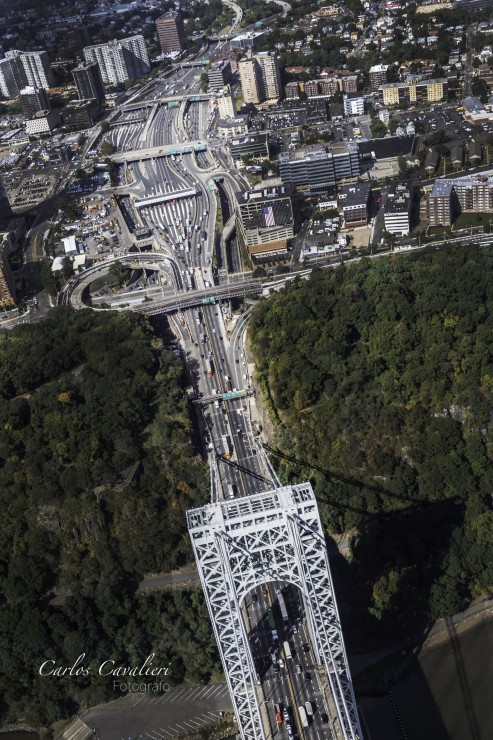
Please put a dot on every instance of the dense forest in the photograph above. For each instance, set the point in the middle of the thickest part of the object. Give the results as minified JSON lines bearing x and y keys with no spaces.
{"x":379,"y":380}
{"x":97,"y":470}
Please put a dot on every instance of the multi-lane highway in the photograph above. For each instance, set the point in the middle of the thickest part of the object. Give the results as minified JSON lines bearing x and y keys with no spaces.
{"x":150,"y":137}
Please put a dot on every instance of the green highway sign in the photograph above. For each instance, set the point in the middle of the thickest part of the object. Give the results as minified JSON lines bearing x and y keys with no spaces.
{"x":234,"y":394}
{"x":209,"y":300}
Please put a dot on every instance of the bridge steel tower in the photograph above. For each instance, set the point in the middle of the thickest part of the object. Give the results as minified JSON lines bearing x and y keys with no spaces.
{"x":243,"y":543}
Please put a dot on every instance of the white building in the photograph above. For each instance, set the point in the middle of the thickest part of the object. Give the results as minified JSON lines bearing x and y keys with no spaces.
{"x":397,"y":209}
{"x":384,"y":115}
{"x":12,"y":77}
{"x":43,"y":122}
{"x":121,"y":60}
{"x":36,"y":67}
{"x":354,"y":104}
{"x":226,"y":105}
{"x":69,"y":244}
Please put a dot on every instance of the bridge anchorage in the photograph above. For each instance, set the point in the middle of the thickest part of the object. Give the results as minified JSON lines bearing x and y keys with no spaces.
{"x":244,"y":543}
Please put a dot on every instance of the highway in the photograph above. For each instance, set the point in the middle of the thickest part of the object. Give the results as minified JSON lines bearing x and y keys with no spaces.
{"x":157,"y":142}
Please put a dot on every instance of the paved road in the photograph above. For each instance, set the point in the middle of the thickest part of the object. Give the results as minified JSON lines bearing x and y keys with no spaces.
{"x":168,"y":579}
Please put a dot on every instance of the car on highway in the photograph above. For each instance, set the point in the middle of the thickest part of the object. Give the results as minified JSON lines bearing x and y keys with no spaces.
{"x":297,"y":668}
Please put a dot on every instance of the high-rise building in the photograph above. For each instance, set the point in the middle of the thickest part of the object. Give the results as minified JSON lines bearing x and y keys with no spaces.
{"x":81,"y":113}
{"x":271,"y":76}
{"x":12,"y":77}
{"x":171,"y":33}
{"x":87,"y":77}
{"x":379,"y":74}
{"x":33,"y":100}
{"x":449,"y":198}
{"x":260,"y":77}
{"x":319,"y":169}
{"x":219,"y":74}
{"x":36,"y":66}
{"x":121,"y":60}
{"x":251,"y":80}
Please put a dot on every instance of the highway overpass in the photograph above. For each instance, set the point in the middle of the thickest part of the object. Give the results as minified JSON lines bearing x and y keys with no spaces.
{"x":138,"y":155}
{"x":194,"y":98}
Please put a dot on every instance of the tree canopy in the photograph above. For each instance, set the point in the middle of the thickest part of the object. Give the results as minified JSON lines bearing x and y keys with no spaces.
{"x":97,"y":470}
{"x":380,"y":376}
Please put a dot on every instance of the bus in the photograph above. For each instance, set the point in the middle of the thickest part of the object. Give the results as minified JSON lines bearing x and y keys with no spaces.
{"x":303,"y":717}
{"x":270,"y":616}
{"x":209,"y":368}
{"x":282,"y":605}
{"x":226,"y":447}
{"x":287,"y":650}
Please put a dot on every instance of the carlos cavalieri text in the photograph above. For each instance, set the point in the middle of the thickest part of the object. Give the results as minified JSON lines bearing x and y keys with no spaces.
{"x":107,"y":668}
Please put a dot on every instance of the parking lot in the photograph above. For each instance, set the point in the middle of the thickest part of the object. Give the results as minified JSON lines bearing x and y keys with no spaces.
{"x":446,"y":119}
{"x":159,"y":717}
{"x":31,"y":190}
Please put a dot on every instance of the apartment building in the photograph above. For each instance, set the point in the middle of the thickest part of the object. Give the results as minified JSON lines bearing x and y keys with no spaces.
{"x":414,"y":90}
{"x":251,"y":83}
{"x":89,"y":82}
{"x":350,"y":83}
{"x":292,"y":90}
{"x":260,"y":77}
{"x":449,"y":198}
{"x":170,"y":32}
{"x":265,"y":222}
{"x":12,"y":77}
{"x":121,"y":60}
{"x":354,"y":104}
{"x":271,"y":76}
{"x":35,"y":66}
{"x":441,"y":204}
{"x":323,"y":88}
{"x":33,"y":100}
{"x":398,"y":209}
{"x":379,"y":75}
{"x":317,"y":169}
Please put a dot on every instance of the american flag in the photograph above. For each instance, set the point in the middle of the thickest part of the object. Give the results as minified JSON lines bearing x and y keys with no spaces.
{"x":268,"y":215}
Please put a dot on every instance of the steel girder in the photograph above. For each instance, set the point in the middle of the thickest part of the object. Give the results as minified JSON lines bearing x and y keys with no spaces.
{"x":242,"y":544}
